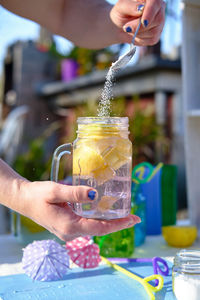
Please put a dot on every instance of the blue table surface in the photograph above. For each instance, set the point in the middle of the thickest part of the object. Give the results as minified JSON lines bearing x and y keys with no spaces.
{"x":103,"y":283}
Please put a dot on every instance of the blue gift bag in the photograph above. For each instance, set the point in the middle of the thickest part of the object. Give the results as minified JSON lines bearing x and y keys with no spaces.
{"x":152,"y":192}
{"x":148,"y":179}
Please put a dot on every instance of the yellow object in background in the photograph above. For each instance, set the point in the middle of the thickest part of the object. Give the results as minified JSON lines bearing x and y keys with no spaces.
{"x":31,"y":226}
{"x":179,"y":236}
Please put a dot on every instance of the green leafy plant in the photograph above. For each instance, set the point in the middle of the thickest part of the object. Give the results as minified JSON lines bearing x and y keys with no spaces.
{"x":33,"y":164}
{"x":144,"y":133}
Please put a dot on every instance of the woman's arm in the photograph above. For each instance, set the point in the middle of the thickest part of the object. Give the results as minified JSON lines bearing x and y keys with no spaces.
{"x":94,"y":23}
{"x":46,"y":203}
{"x":11,"y":188}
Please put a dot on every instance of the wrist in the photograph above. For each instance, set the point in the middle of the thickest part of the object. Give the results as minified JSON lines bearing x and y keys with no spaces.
{"x":11,"y":187}
{"x":18,"y":198}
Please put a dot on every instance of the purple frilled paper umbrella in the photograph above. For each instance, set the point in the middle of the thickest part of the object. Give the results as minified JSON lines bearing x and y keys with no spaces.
{"x":45,"y":260}
{"x":83,"y":252}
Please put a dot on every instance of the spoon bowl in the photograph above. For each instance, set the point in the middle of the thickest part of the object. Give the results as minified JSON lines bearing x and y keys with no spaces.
{"x":125,"y":58}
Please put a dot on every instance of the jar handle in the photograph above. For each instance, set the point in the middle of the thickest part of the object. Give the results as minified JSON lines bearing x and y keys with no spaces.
{"x":58,"y":153}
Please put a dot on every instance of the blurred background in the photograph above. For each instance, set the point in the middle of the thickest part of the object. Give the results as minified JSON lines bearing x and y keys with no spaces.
{"x":46,"y":83}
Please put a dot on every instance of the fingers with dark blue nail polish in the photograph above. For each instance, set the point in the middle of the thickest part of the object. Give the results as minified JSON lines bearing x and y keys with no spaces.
{"x":140,"y":7}
{"x":128,"y":29}
{"x":92,"y":194}
{"x":145,"y":23}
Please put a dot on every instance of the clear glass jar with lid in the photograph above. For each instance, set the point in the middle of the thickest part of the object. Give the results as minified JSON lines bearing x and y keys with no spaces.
{"x":102,"y":159}
{"x":186,"y":275}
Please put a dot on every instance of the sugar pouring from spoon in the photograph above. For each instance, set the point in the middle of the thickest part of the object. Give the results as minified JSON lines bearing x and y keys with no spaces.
{"x":125,"y":58}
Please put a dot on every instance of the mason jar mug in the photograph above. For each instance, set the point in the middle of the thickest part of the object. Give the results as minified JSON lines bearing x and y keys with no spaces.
{"x":102,"y":159}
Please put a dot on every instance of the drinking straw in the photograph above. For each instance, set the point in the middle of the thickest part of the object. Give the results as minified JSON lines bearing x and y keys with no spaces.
{"x":155,"y":262}
{"x":156,"y":169}
{"x":143,"y":281}
{"x":139,"y":176}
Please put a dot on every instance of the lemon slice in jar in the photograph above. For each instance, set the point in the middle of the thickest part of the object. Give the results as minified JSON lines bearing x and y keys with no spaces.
{"x":106,"y":203}
{"x":98,"y":130}
{"x":100,"y":152}
{"x":118,"y":155}
{"x":88,"y":162}
{"x":99,"y":137}
{"x":115,"y":150}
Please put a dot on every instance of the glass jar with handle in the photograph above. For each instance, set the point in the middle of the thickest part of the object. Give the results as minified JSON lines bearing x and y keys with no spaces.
{"x":102,"y":159}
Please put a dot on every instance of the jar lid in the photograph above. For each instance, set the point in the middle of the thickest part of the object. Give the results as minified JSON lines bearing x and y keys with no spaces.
{"x":103,"y":125}
{"x":187,"y":261}
{"x":103,"y":120}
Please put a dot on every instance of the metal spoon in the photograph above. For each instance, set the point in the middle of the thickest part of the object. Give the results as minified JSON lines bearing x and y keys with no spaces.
{"x":125,"y":58}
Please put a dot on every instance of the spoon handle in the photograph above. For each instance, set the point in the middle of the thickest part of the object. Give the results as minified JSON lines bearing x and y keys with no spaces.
{"x":136,"y":32}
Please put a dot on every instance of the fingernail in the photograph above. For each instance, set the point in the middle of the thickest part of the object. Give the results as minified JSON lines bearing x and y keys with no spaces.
{"x":91,"y":194}
{"x":134,"y":220}
{"x":140,"y":7}
{"x":145,"y":23}
{"x":138,"y":220}
{"x":128,"y":29}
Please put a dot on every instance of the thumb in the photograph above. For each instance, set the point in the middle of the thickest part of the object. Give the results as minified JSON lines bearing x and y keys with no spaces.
{"x":73,"y":194}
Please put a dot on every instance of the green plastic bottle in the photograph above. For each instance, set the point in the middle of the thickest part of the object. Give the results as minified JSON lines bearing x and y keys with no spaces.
{"x":116,"y":244}
{"x":169,"y":194}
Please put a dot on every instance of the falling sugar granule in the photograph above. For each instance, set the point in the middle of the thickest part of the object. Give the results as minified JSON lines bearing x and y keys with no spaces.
{"x":107,"y":94}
